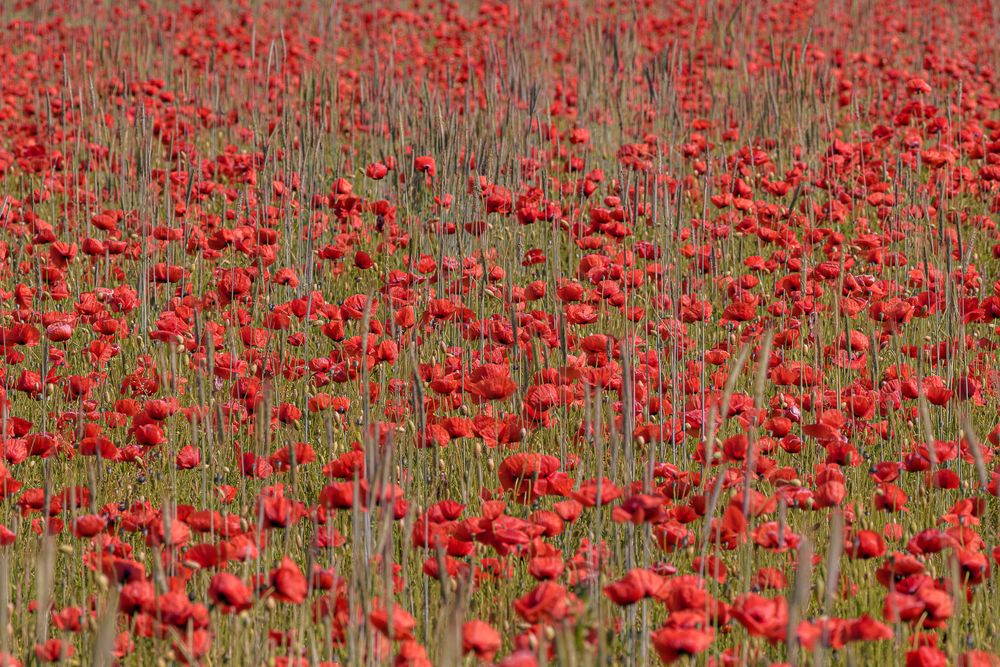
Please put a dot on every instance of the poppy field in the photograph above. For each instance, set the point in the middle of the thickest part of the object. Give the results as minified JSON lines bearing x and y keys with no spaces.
{"x":499,"y":333}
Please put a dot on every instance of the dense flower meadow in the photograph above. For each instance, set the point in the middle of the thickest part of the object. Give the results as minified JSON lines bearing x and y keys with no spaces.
{"x":504,"y":332}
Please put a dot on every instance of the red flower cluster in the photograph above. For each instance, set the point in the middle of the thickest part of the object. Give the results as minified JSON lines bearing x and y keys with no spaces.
{"x":499,"y":332}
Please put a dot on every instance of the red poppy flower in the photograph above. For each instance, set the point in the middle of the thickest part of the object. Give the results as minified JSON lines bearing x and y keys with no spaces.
{"x":480,"y":638}
{"x":288,"y":582}
{"x":230,"y":593}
